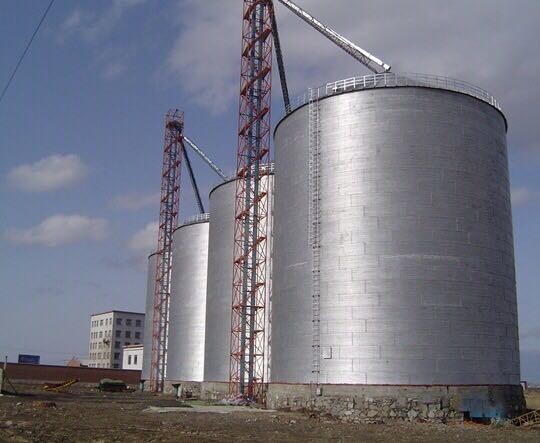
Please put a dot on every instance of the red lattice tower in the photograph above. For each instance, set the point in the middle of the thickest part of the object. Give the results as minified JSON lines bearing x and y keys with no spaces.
{"x":168,"y":221}
{"x":247,"y":367}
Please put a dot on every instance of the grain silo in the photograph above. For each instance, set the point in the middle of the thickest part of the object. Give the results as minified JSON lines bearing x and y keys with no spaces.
{"x":149,"y":315}
{"x":185,"y":355}
{"x":219,"y":287}
{"x":393,"y":269}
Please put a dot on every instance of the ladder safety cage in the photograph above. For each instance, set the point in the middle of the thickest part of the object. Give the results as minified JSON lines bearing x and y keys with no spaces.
{"x":314,"y":165}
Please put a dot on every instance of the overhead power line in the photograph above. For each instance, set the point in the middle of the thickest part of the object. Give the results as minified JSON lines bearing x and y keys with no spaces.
{"x":25,"y":50}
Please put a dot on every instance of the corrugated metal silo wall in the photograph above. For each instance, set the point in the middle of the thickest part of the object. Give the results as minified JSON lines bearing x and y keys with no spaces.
{"x":417,"y":265}
{"x":148,"y":318}
{"x":219,"y":289}
{"x":185,"y":359}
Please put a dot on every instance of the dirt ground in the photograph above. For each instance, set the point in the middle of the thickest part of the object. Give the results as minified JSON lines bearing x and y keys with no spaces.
{"x":86,"y":415}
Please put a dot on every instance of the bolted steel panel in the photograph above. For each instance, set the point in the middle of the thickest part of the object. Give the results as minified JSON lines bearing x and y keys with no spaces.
{"x":416,"y":260}
{"x":185,"y":361}
{"x":219,"y":283}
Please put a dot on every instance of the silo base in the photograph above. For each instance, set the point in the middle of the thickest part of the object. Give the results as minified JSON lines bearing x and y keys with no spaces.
{"x":383,"y":402}
{"x":193,"y":387}
{"x":214,"y":390}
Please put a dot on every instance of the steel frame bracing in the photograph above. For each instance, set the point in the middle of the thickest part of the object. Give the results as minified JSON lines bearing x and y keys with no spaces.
{"x":168,"y":221}
{"x":251,"y":205}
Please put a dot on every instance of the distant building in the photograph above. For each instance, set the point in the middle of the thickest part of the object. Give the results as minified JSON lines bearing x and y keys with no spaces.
{"x":74,"y":363}
{"x":132,"y":357}
{"x":109,"y":333}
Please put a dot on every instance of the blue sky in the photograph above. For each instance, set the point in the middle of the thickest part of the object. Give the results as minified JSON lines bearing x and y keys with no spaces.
{"x":81,"y":133}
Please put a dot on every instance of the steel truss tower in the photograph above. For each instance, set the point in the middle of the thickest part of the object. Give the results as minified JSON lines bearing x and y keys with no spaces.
{"x":168,"y":221}
{"x":247,"y":367}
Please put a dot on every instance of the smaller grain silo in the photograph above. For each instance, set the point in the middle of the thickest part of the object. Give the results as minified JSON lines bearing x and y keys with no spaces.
{"x":185,"y":356}
{"x":149,"y":315}
{"x":219,"y":288}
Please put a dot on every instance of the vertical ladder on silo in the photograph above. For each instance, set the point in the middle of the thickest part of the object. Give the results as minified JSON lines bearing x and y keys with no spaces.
{"x":314,"y":226}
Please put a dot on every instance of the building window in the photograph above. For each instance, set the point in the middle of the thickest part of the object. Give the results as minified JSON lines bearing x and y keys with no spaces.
{"x":118,"y":322}
{"x":128,"y":334}
{"x":137,"y":323}
{"x":100,"y":334}
{"x":99,"y":355}
{"x":137,"y":335}
{"x":128,"y":322}
{"x":116,"y":345}
{"x":116,"y":366}
{"x":101,"y":323}
{"x":118,"y":333}
{"x":135,"y":359}
{"x":127,"y":343}
{"x":116,"y":355}
{"x":129,"y":359}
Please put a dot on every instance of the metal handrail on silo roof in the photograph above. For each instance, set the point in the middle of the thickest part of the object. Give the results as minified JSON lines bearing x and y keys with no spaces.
{"x":264,"y":169}
{"x":199,"y":218}
{"x":392,"y":80}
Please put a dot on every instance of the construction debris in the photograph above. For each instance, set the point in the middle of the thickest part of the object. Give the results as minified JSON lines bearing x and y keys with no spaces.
{"x":57,"y":387}
{"x":528,"y":419}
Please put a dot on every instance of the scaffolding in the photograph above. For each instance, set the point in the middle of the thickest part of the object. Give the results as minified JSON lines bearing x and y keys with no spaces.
{"x":168,"y":221}
{"x":247,"y":362}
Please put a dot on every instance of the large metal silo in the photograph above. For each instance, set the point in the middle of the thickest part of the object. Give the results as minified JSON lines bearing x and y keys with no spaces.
{"x":187,"y":325}
{"x":219,"y":287}
{"x":149,"y":314}
{"x":405,"y":179}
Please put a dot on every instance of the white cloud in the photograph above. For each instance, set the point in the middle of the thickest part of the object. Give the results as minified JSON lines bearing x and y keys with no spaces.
{"x":73,"y":20}
{"x":92,"y":26}
{"x":144,"y":242}
{"x":48,"y":174}
{"x":134,"y":202}
{"x":205,"y":56}
{"x":207,"y":43}
{"x":113,"y":69}
{"x":522,"y":196}
{"x":59,"y":230}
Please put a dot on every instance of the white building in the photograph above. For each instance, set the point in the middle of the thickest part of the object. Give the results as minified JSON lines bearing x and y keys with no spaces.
{"x":132,"y":357}
{"x":109,"y":333}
